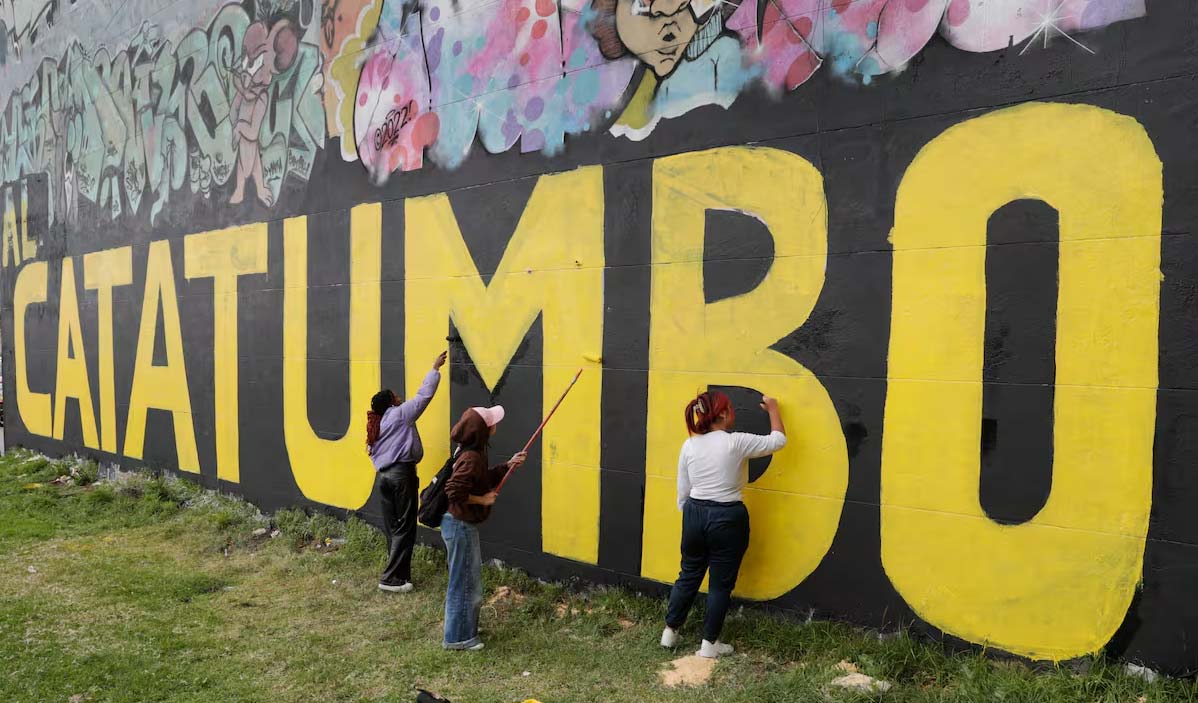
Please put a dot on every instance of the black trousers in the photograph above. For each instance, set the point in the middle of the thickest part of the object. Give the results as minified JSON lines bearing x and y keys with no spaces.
{"x":398,"y":488}
{"x":715,"y":537}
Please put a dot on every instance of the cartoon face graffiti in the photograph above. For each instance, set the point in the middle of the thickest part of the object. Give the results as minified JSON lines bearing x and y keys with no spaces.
{"x":266,"y":53}
{"x":658,"y":32}
{"x":690,"y":57}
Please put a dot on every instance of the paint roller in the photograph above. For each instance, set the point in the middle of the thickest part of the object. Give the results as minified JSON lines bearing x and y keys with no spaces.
{"x":540,"y":428}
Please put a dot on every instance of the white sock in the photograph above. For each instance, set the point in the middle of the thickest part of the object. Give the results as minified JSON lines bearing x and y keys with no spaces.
{"x":669,"y":637}
{"x":714,"y":650}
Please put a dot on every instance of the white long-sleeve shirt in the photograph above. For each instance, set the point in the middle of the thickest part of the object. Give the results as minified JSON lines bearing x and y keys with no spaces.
{"x":713,"y":466}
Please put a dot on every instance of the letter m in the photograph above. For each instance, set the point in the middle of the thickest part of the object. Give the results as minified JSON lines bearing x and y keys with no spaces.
{"x":553,"y":268}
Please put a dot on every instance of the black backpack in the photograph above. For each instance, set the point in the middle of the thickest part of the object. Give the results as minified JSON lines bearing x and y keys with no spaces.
{"x":433,"y":501}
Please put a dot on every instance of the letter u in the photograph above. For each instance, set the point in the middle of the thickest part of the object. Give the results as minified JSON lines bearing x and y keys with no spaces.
{"x":335,"y":472}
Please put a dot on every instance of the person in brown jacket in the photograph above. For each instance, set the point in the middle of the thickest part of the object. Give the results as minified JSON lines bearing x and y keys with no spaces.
{"x":471,"y":493}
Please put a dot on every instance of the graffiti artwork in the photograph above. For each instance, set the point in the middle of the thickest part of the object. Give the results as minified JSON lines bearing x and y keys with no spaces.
{"x":536,"y":71}
{"x":241,"y":103}
{"x":237,"y":103}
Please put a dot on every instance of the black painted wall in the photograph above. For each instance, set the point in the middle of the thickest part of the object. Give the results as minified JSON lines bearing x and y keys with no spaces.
{"x":862,"y":140}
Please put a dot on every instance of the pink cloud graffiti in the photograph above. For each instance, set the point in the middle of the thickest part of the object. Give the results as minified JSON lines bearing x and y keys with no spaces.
{"x":444,"y":74}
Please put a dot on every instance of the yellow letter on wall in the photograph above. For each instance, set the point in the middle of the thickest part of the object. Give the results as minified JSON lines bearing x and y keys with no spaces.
{"x":18,"y":246}
{"x":224,"y":256}
{"x":161,"y":387}
{"x":34,"y":408}
{"x":103,"y":271}
{"x":795,"y":507}
{"x":71,"y":378}
{"x":1059,"y":585}
{"x":335,"y":472}
{"x":553,"y":267}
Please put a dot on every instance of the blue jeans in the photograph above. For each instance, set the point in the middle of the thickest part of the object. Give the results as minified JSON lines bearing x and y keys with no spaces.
{"x":464,"y":596}
{"x":715,"y":537}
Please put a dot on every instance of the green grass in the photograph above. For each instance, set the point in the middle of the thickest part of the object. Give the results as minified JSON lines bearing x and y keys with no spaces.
{"x":141,"y":589}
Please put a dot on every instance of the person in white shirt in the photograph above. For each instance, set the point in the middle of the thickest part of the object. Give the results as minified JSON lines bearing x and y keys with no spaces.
{"x":712,"y":472}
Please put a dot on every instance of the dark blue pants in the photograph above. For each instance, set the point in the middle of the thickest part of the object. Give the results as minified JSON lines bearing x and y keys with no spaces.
{"x":715,"y":537}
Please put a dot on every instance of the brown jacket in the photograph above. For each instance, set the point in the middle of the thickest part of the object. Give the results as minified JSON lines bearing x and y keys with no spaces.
{"x":471,"y":476}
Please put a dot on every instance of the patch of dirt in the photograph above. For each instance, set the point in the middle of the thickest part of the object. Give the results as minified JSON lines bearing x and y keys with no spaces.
{"x":687,"y":671}
{"x":563,"y":609}
{"x":862,"y":683}
{"x":504,"y":596}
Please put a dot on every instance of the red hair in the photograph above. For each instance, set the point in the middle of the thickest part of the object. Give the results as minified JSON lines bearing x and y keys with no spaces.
{"x":373,"y":422}
{"x":374,"y":418}
{"x":706,"y":409}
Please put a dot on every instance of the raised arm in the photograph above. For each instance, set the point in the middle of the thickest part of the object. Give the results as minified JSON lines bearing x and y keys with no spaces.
{"x":412,"y":408}
{"x":753,"y":446}
{"x":770,"y":405}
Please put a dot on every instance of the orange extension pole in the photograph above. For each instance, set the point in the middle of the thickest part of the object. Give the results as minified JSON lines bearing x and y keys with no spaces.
{"x":542,"y":427}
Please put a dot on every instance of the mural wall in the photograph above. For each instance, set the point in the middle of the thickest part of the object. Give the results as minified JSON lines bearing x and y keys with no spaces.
{"x":954,"y":237}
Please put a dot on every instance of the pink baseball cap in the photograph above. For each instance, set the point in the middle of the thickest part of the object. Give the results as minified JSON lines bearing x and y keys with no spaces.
{"x":492,"y":415}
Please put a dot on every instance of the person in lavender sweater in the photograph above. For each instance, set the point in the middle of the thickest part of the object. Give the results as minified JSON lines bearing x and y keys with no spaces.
{"x":394,"y":447}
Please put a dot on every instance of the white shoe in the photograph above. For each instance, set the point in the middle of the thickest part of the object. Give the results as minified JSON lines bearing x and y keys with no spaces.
{"x":715,"y":650}
{"x":669,"y":638}
{"x":402,"y":588}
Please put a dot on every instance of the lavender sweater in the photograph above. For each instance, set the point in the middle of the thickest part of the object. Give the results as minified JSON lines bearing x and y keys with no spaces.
{"x":398,"y":439}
